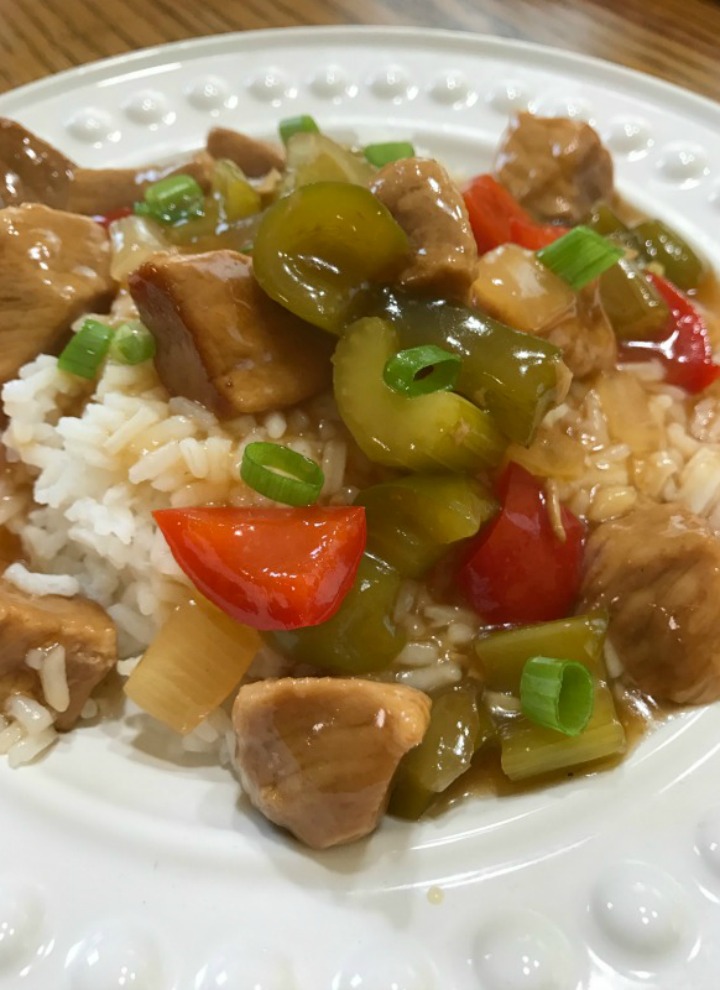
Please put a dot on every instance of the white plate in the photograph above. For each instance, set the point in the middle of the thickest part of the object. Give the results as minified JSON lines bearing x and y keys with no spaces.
{"x":120,"y":868}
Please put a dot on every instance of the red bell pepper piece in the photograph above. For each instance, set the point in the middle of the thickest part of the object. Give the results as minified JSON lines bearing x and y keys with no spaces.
{"x":273,"y":568}
{"x":497,"y":218}
{"x":105,"y":219}
{"x":684,"y":347}
{"x":517,"y":569}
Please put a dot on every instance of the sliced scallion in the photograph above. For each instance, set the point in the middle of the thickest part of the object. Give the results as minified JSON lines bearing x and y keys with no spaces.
{"x":132,"y":344}
{"x":580,"y":256}
{"x":388,"y":151}
{"x":172,"y":199}
{"x":421,"y":370}
{"x":87,"y":350}
{"x":302,"y":124}
{"x":558,"y":694}
{"x":281,"y":473}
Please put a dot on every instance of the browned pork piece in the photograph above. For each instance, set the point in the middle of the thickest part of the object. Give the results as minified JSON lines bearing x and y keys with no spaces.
{"x":221,"y":340}
{"x":32,"y":171}
{"x":428,"y":206}
{"x":54,"y":266}
{"x":657,"y":570}
{"x":556,"y":167}
{"x":255,"y":158}
{"x":317,"y":755}
{"x":30,"y":622}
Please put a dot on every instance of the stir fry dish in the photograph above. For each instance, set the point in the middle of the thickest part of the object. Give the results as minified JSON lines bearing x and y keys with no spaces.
{"x":376,"y":485}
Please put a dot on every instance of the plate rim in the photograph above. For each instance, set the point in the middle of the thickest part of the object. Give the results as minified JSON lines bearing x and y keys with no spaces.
{"x":100,"y":70}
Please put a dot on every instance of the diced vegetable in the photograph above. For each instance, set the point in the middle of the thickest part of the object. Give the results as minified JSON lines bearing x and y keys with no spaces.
{"x":238,"y":198}
{"x":132,"y":343}
{"x":362,"y":635}
{"x":503,"y":653}
{"x":422,"y":370}
{"x":459,"y":727}
{"x":626,"y":405}
{"x":557,"y":694}
{"x":317,"y":158}
{"x":604,"y":221}
{"x":389,"y":151}
{"x":580,"y":256}
{"x":412,"y":521}
{"x":195,"y":661}
{"x":529,"y":750}
{"x":634,"y":306}
{"x":86,"y":350}
{"x":281,"y":473}
{"x":680,"y":264}
{"x":133,"y":240}
{"x":497,"y":218}
{"x":174,"y":198}
{"x":518,"y":569}
{"x":684,"y":346}
{"x":269,"y":568}
{"x":302,"y":124}
{"x":517,"y":289}
{"x":105,"y":219}
{"x":442,"y":431}
{"x":516,"y":377}
{"x":312,"y":251}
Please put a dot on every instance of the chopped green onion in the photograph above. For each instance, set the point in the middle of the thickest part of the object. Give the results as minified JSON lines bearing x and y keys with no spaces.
{"x":132,"y":344}
{"x":281,"y":474}
{"x":389,"y":151}
{"x":558,"y":694}
{"x":303,"y":124}
{"x":421,"y":370}
{"x":87,"y":350}
{"x":580,"y":256}
{"x":172,"y":199}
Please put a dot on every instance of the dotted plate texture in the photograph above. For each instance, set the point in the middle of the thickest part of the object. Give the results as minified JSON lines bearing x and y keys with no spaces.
{"x":121,"y":867}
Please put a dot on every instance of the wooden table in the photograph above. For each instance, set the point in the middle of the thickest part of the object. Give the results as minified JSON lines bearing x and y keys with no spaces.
{"x":678,"y":40}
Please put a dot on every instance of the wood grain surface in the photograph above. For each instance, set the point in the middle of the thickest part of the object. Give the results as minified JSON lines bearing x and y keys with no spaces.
{"x":677,"y":40}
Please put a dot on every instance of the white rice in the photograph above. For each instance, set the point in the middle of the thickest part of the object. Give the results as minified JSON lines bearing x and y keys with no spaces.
{"x":102,"y":464}
{"x":41,"y":584}
{"x":53,"y":678}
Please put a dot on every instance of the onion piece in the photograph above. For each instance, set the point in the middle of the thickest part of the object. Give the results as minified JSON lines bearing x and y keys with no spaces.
{"x":133,"y":240}
{"x":196,"y":660}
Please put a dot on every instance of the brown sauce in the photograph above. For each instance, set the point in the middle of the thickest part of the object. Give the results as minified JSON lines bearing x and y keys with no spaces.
{"x":485,"y":778}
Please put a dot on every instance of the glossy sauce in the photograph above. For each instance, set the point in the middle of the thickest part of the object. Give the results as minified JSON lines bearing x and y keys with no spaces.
{"x":485,"y":777}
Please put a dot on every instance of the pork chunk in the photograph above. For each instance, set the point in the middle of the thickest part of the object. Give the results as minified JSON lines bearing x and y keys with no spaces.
{"x":32,"y":171}
{"x":657,"y":570}
{"x":428,"y":206}
{"x":556,"y":167}
{"x":99,"y":191}
{"x":40,"y":622}
{"x":221,"y":340}
{"x":255,"y":158}
{"x":54,"y":266}
{"x":317,"y":755}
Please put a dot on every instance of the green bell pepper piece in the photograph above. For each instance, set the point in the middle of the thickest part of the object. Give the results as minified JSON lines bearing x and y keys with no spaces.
{"x":634,"y":307}
{"x":435,"y":432}
{"x":681,"y":265}
{"x":361,"y":636}
{"x":459,"y":726}
{"x":514,"y":375}
{"x":412,"y":521}
{"x":318,"y":247}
